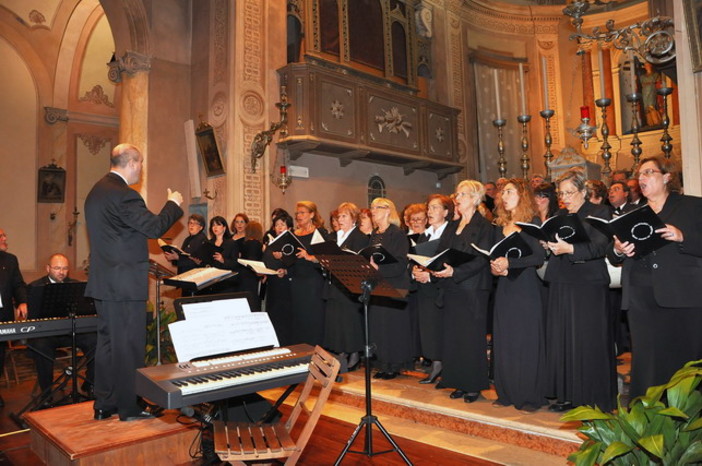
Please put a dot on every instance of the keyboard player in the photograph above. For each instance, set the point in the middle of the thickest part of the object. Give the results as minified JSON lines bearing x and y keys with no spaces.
{"x":13,"y":292}
{"x":44,"y":348}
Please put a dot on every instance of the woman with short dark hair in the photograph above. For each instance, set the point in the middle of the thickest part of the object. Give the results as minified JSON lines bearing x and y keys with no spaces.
{"x":663,"y":289}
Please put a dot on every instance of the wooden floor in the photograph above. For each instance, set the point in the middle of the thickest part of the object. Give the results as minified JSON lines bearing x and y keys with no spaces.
{"x":326,"y":443}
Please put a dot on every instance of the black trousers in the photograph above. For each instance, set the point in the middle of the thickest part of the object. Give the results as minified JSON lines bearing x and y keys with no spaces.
{"x":120,"y":351}
{"x":44,"y":355}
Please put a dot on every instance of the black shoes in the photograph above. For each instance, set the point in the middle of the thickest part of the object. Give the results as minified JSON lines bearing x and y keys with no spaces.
{"x":379,"y":375}
{"x":471,"y":397}
{"x":560,"y":406}
{"x":436,"y":368}
{"x":457,"y":394}
{"x":390,"y":375}
{"x":430,"y":379}
{"x":354,"y":361}
{"x":102,"y":414}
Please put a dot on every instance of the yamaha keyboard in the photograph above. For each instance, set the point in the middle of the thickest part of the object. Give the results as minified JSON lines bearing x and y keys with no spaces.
{"x":35,"y":328}
{"x":187,"y":383}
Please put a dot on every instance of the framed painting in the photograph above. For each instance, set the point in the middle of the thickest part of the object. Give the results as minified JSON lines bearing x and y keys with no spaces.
{"x":209,"y":150}
{"x":51,"y":184}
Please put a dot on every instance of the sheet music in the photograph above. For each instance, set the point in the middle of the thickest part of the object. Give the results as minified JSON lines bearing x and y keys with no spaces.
{"x":216,"y":309}
{"x":207,"y":335}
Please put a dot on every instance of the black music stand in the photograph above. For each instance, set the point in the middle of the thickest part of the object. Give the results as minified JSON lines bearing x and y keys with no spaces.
{"x":59,"y":300}
{"x":359,"y":277}
{"x":159,"y":272}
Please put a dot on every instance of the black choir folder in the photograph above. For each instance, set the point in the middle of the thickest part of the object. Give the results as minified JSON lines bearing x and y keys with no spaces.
{"x":165,"y":247}
{"x":379,"y":254}
{"x":287,"y":244}
{"x":637,"y":226}
{"x":452,"y":257}
{"x":568,"y":227}
{"x":511,"y":246}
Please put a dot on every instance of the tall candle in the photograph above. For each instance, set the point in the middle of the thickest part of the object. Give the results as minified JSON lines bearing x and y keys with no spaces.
{"x":544,"y":75}
{"x":521,"y":88}
{"x":600,"y":62}
{"x":632,"y":71}
{"x":497,"y":95}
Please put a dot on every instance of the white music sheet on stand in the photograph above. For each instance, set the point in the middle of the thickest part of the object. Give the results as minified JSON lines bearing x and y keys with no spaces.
{"x":217,"y":309}
{"x":212,"y":332}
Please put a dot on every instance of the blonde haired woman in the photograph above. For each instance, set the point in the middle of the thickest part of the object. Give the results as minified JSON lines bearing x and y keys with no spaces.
{"x":389,"y":320}
{"x":466,"y":289}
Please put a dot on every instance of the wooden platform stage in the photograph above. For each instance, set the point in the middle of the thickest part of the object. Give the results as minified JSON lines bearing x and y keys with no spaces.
{"x":68,"y":435}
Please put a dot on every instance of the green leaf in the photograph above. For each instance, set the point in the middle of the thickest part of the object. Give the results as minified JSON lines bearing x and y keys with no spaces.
{"x":585,"y":413}
{"x":694,"y":425}
{"x":653,"y":444}
{"x":693,"y":454}
{"x":613,"y":450}
{"x":674,"y":412}
{"x":586,"y":456}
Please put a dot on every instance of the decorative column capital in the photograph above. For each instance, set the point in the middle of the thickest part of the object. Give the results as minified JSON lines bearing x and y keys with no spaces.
{"x":53,"y":114}
{"x":130,"y":63}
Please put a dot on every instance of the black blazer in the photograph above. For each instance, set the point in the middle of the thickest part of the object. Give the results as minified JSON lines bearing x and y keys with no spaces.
{"x":13,"y":289}
{"x":676,"y":268}
{"x":394,"y":240}
{"x":474,"y":274}
{"x":586,"y":264}
{"x":119,"y":224}
{"x":190,"y":244}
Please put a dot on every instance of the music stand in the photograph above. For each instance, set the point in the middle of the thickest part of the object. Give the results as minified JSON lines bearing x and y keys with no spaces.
{"x":59,"y":300}
{"x":159,"y":272}
{"x":358,"y":276}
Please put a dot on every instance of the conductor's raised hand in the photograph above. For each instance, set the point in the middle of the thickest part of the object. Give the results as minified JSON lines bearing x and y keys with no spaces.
{"x":175,"y":196}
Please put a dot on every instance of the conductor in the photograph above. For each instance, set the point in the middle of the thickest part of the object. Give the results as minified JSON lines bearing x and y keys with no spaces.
{"x":119,"y":225}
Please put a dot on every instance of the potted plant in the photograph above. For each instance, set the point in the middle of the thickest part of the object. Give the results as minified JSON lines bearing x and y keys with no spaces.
{"x":664,"y":426}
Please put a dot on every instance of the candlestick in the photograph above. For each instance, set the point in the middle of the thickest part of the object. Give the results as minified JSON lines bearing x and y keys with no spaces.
{"x":497,"y":95}
{"x":501,"y":161}
{"x":522,"y":94}
{"x":604,"y":130}
{"x":632,"y":72}
{"x":544,"y":76}
{"x":666,"y":147}
{"x":546,"y":115}
{"x":636,"y":150}
{"x":524,"y":120}
{"x":600,"y":61}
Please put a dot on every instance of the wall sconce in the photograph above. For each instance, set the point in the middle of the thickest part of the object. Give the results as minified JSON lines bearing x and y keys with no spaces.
{"x":72,"y":226}
{"x":650,"y":39}
{"x":206,"y":193}
{"x":264,"y":138}
{"x":283,"y":180}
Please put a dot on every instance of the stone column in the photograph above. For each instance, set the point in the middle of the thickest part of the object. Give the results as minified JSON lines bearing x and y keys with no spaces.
{"x":132,"y":71}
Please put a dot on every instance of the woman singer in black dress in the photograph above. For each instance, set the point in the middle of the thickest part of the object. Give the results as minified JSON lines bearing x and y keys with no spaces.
{"x":663,"y":289}
{"x":251,"y":249}
{"x":430,"y":317}
{"x":306,"y":280}
{"x":580,"y":360}
{"x":388,"y":317}
{"x":344,"y":318}
{"x":466,"y":289}
{"x":519,"y":345}
{"x":227,"y":258}
{"x":278,"y":286}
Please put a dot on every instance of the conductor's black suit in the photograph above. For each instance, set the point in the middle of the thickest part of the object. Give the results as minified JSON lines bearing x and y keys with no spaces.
{"x":118,"y":227}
